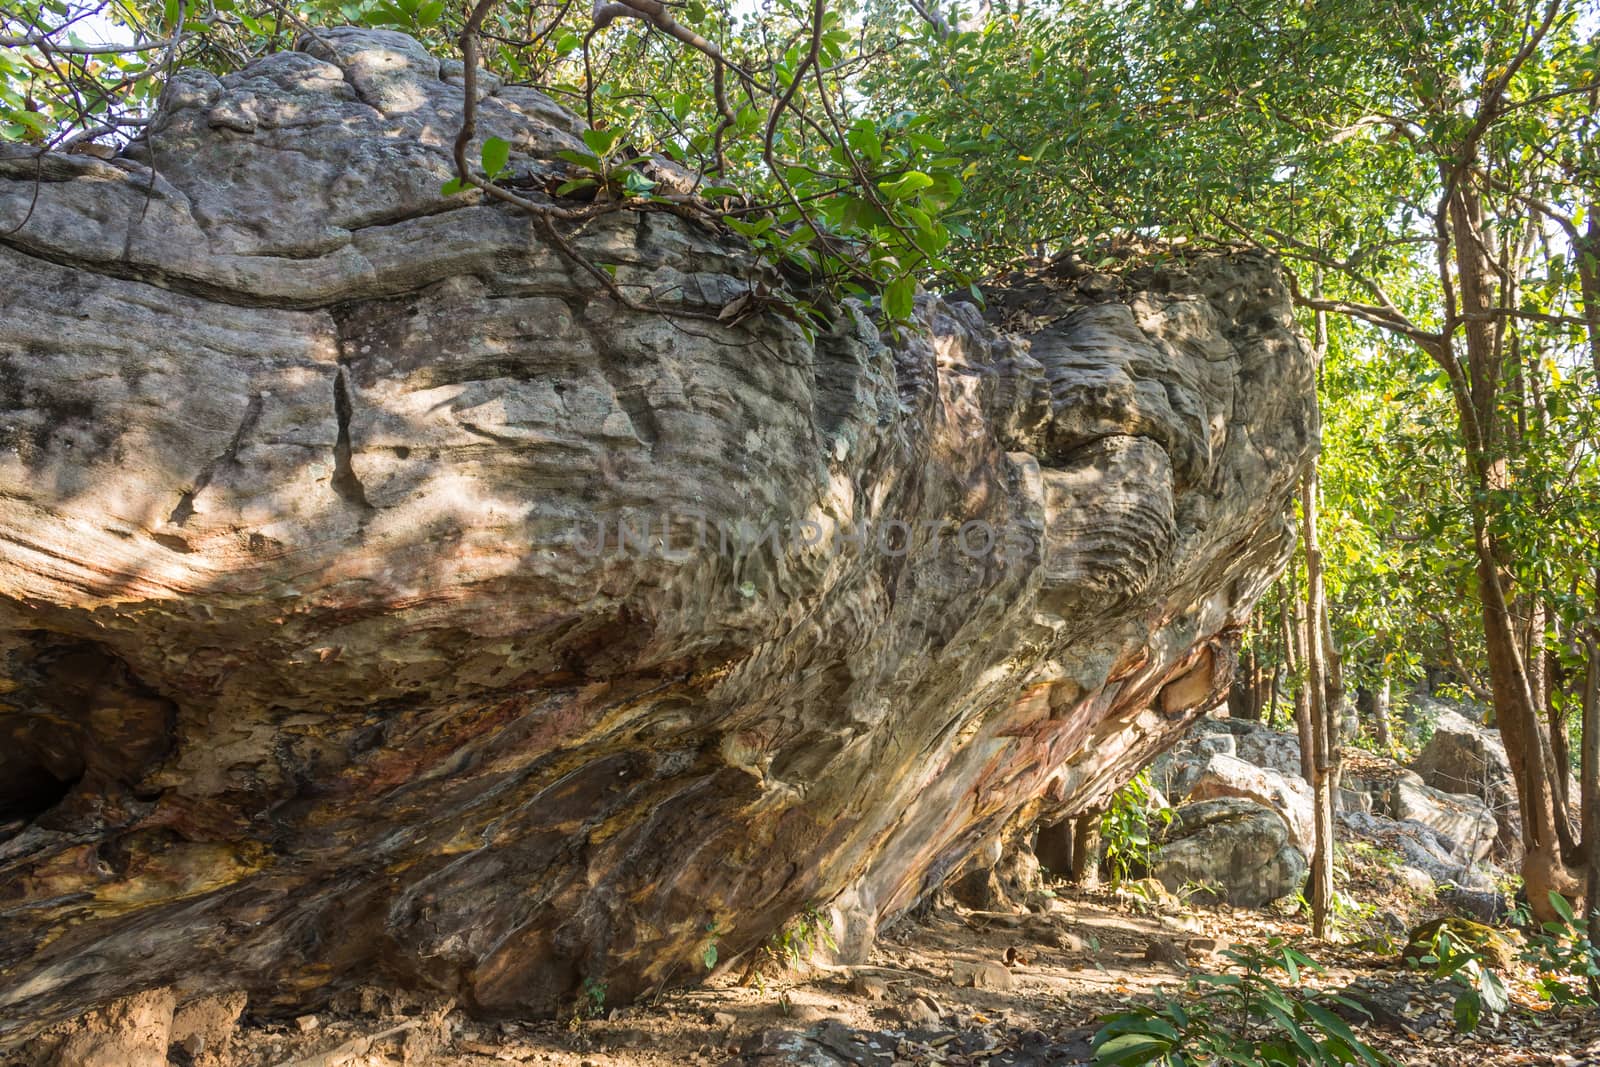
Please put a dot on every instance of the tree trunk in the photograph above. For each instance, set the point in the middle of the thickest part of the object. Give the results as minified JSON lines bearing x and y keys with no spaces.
{"x":1086,"y":849}
{"x":1589,"y":791}
{"x":1544,"y":868}
{"x":1478,"y":394}
{"x":1337,"y":705}
{"x":1588,"y":256}
{"x":1381,"y":698}
{"x":1247,"y":699}
{"x":1244,"y":696}
{"x":1285,"y":672}
{"x":1302,"y":687}
{"x":1322,"y":716}
{"x":1589,"y":772}
{"x":1560,"y":747}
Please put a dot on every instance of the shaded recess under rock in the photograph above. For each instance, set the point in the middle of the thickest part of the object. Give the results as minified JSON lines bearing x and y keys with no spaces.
{"x":311,"y":676}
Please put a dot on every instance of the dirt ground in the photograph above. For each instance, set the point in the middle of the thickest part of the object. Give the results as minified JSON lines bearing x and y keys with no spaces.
{"x":951,"y":987}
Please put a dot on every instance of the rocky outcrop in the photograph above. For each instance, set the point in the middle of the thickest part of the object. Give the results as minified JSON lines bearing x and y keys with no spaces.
{"x":1239,"y":852}
{"x":317,"y":669}
{"x":1463,"y":756}
{"x":1260,"y":744}
{"x":1229,"y":776}
{"x":1418,"y":847}
{"x":1232,"y":849}
{"x":1253,"y":742}
{"x":1462,"y":821}
{"x":1431,"y":838}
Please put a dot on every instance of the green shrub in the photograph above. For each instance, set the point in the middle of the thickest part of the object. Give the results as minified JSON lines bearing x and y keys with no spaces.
{"x":1126,"y":829}
{"x":790,"y":946}
{"x":1242,"y":1016}
{"x":1460,"y":950}
{"x":1566,"y":958}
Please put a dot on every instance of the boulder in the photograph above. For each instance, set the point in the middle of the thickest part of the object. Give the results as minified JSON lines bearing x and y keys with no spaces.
{"x":1263,"y":746}
{"x":1467,"y":757}
{"x":998,"y":878}
{"x":982,"y":975}
{"x":1485,"y":905}
{"x":1420,"y":848}
{"x":379,"y":595}
{"x":1231,"y":849}
{"x":1255,"y":743}
{"x":1463,"y":823}
{"x":1464,"y":820}
{"x":1227,"y":776}
{"x":1175,"y":770}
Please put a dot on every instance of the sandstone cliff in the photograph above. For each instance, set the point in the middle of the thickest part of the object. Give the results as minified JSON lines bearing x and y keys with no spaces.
{"x":312,"y":674}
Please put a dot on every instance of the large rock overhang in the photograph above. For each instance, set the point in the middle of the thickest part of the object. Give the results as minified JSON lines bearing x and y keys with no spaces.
{"x":313,"y":674}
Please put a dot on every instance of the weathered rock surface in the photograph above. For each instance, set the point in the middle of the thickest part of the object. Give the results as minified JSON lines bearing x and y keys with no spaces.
{"x":1419,"y":848}
{"x":1230,"y":849}
{"x":1253,"y":742}
{"x":1260,"y":744}
{"x":1229,"y":776}
{"x":1464,"y":823}
{"x":1434,"y":839}
{"x":998,"y":883}
{"x":312,"y":676}
{"x":1467,"y":757}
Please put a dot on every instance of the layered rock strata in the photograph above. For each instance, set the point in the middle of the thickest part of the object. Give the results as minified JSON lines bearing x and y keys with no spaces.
{"x":318,"y":671}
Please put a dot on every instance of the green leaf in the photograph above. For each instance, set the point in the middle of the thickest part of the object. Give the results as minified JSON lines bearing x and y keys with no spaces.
{"x":1131,"y":1049}
{"x":899,"y":298}
{"x":566,"y":188}
{"x":1291,"y":1030}
{"x":863,"y":138}
{"x":907,"y":184}
{"x":33,"y":120}
{"x":1495,"y":997}
{"x":1302,"y":960}
{"x":452,"y":187}
{"x":603,"y":142}
{"x":496,"y":153}
{"x":1337,"y":1027}
{"x":749,"y":229}
{"x":580,"y":159}
{"x":1563,"y":909}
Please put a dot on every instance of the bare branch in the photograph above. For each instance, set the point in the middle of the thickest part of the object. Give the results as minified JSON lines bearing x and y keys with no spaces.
{"x":44,"y":44}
